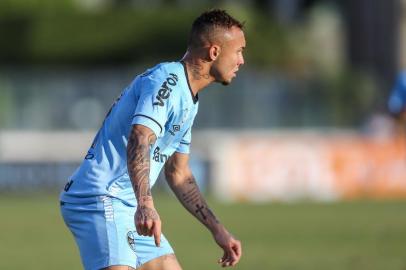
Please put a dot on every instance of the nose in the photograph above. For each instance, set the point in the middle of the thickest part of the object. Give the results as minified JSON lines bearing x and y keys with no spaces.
{"x":241,"y":61}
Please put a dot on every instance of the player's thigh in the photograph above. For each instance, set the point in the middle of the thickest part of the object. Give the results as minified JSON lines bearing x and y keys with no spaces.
{"x":101,"y":231}
{"x":165,"y":262}
{"x":119,"y":267}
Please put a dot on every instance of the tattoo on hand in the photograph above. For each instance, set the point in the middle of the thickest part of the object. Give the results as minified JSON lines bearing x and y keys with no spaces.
{"x":147,"y":213}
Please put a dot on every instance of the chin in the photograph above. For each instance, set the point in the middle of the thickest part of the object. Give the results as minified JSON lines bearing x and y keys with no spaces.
{"x":225,"y":81}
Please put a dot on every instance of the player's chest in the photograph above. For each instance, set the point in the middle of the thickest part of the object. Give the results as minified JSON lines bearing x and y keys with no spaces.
{"x":178,"y":125}
{"x":180,"y":121}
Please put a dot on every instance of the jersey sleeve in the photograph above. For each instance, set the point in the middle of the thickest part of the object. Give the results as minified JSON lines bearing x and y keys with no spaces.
{"x":184,"y":145}
{"x":155,"y":104}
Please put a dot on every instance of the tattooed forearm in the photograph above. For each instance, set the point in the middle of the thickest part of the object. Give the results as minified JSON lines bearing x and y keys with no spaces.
{"x":138,"y":163}
{"x":189,"y":195}
{"x":211,"y":214}
{"x":138,"y":168}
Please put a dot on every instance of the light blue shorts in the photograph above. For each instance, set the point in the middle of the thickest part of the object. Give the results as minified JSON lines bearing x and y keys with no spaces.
{"x":105,"y":234}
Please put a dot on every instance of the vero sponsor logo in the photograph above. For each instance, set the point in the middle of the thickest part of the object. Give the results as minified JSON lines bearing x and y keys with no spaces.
{"x":165,"y":91}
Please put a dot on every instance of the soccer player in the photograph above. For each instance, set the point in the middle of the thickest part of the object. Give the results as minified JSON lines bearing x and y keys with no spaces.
{"x":397,"y":99}
{"x":107,"y":204}
{"x":397,"y":108}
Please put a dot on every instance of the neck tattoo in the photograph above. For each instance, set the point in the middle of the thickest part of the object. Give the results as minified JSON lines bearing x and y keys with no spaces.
{"x":196,"y":70}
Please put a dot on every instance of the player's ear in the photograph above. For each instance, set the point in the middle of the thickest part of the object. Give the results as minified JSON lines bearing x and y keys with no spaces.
{"x":214,"y":52}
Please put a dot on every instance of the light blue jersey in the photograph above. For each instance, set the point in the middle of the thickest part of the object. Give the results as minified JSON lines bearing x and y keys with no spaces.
{"x":160,"y":99}
{"x":397,"y":99}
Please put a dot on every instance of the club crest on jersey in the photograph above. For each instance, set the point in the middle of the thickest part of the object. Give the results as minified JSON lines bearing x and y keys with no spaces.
{"x":165,"y":91}
{"x":175,"y":128}
{"x":131,"y":239}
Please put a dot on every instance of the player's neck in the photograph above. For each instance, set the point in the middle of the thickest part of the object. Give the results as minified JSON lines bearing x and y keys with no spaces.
{"x":197,"y":71}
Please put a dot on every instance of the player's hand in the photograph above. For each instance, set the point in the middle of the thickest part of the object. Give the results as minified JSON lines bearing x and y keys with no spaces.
{"x":147,"y":222}
{"x":231,"y":247}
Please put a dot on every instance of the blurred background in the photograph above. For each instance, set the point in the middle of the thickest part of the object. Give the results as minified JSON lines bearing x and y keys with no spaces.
{"x":299,"y":155}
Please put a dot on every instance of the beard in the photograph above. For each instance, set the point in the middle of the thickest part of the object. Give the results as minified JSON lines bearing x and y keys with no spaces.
{"x":223,"y":81}
{"x":220,"y":77}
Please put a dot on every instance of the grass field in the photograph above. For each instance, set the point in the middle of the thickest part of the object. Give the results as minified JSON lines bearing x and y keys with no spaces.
{"x":352,"y":235}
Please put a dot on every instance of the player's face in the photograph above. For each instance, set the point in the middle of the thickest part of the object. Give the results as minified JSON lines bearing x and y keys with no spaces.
{"x":230,"y":58}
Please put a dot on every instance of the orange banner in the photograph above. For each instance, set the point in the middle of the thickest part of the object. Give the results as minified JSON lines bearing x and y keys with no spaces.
{"x":372,"y":168}
{"x":321,"y":167}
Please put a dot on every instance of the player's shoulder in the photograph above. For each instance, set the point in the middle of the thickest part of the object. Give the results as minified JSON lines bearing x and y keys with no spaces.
{"x":162,"y":71}
{"x":163,"y":81}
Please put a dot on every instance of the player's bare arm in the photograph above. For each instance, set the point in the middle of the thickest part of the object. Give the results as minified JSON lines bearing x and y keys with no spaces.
{"x":146,"y":218}
{"x":183,"y":184}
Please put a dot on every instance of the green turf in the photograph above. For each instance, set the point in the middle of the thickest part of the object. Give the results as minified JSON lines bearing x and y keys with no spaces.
{"x":352,"y":235}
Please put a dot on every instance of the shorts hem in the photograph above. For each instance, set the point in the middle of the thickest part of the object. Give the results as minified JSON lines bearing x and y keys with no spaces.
{"x":160,"y":255}
{"x":104,"y":265}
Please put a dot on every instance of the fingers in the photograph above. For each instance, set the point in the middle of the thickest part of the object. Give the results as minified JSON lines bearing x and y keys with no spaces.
{"x":145,"y":229}
{"x":222,"y":258}
{"x":232,"y":254}
{"x":237,"y":249}
{"x":150,"y":228}
{"x":230,"y":260}
{"x":147,"y":223}
{"x":139,"y":226}
{"x":237,"y":252}
{"x":225,"y":259}
{"x":156,"y":230}
{"x":144,"y":226}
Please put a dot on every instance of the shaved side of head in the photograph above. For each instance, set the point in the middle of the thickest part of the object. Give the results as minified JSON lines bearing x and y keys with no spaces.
{"x":211,"y":27}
